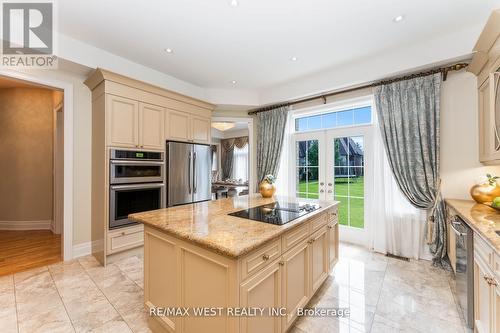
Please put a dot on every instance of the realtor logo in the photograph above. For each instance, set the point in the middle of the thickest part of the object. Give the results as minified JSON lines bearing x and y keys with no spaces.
{"x":28,"y":34}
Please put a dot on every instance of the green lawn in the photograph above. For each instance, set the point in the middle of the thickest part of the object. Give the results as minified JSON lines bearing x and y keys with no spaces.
{"x":354,"y":204}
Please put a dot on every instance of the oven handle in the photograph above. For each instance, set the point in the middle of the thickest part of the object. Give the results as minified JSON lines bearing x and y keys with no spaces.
{"x":118,"y":162}
{"x":135,"y":186}
{"x":455,"y":230}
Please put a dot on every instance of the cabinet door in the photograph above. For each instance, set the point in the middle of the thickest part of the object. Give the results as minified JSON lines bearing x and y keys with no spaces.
{"x":122,"y":117}
{"x":484,"y":121}
{"x":263,"y":290}
{"x":295,"y":274}
{"x":451,"y":246}
{"x":483,"y":296}
{"x":151,"y":124}
{"x":333,"y":245}
{"x":178,"y":126}
{"x":201,"y":132}
{"x":319,"y":258}
{"x":496,"y":308}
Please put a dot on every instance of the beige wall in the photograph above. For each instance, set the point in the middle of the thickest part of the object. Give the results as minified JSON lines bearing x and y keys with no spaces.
{"x":26,"y":154}
{"x":460,"y":167}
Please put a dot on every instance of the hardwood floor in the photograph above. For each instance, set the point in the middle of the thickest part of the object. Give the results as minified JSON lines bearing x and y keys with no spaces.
{"x":22,"y":250}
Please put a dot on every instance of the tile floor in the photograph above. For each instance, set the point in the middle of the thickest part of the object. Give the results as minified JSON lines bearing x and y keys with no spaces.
{"x":383,"y":294}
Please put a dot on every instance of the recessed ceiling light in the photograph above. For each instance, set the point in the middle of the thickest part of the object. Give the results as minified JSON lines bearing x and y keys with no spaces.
{"x":293,"y":58}
{"x":398,"y":18}
{"x":234,"y":3}
{"x":233,"y":82}
{"x":168,"y":50}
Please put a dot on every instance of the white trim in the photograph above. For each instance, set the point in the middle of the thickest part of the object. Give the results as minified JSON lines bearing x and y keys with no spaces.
{"x":249,"y":120}
{"x":68,"y":149}
{"x":26,"y":225}
{"x":82,"y":249}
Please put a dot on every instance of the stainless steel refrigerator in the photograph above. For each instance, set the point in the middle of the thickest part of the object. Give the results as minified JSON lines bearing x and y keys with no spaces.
{"x":188,"y":173}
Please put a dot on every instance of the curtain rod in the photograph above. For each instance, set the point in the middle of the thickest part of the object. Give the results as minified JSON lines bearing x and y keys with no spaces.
{"x":443,"y":70}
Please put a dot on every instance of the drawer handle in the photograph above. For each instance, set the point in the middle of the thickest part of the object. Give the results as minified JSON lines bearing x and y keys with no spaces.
{"x":123,"y":233}
{"x":266,"y":257}
{"x":330,"y":227}
{"x":282,"y":263}
{"x":310,"y":241}
{"x":491,"y":281}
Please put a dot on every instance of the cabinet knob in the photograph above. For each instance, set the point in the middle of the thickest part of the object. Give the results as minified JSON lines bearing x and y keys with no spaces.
{"x":265,"y":257}
{"x":330,"y":227}
{"x":123,"y":233}
{"x":282,"y":263}
{"x":310,"y":241}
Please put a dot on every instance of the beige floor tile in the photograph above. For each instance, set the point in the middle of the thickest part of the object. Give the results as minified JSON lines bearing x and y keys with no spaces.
{"x":8,"y":315}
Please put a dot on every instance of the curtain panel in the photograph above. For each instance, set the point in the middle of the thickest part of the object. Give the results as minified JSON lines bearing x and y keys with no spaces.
{"x":227,"y":155}
{"x":409,"y":113}
{"x":270,"y":133}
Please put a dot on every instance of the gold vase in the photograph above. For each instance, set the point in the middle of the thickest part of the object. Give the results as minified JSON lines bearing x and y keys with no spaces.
{"x":484,"y":193}
{"x":266,"y":189}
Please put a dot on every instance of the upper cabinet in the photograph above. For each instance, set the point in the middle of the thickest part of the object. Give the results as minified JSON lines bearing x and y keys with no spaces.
{"x":187,"y":127}
{"x":486,"y":65}
{"x":139,"y":115}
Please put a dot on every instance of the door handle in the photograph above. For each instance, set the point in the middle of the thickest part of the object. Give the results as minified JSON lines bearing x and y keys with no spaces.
{"x":194,"y":172}
{"x":189,"y":172}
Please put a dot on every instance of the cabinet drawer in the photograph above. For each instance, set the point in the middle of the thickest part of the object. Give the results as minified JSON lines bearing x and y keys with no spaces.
{"x":482,"y":250}
{"x":295,"y":235}
{"x":123,"y":240}
{"x":332,"y":215}
{"x":259,"y":258}
{"x":319,"y":221}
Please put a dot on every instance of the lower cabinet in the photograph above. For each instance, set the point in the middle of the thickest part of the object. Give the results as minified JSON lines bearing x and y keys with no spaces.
{"x":319,"y":259}
{"x":263,"y":290}
{"x":486,"y":289}
{"x":296,"y":280}
{"x":333,"y":244}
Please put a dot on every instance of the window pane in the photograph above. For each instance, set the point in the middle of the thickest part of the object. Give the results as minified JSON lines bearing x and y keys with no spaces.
{"x":341,"y":146}
{"x":329,"y":120}
{"x":345,"y":118}
{"x":341,"y":181}
{"x":363,"y":115}
{"x":301,"y":179}
{"x":343,"y":210}
{"x":301,"y":147}
{"x":356,"y":183}
{"x":312,"y":152}
{"x":301,"y":124}
{"x":356,"y":212}
{"x":357,"y":151}
{"x":312,"y":180}
{"x":314,"y":122}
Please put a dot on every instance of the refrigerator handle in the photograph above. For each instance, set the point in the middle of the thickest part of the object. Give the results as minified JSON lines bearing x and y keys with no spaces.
{"x":189,"y":172}
{"x":194,"y":172}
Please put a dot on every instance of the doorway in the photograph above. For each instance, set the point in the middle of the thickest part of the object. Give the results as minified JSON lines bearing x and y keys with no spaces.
{"x":32,"y":154}
{"x":330,"y":160}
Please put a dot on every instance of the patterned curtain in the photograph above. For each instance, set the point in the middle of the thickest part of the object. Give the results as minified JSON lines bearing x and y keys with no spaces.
{"x":227,"y":155}
{"x":409,"y":121}
{"x":270,"y":133}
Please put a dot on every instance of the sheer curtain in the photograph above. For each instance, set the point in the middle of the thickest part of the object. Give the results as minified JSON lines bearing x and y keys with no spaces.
{"x":240,"y":163}
{"x":395,"y":226}
{"x":284,"y":177}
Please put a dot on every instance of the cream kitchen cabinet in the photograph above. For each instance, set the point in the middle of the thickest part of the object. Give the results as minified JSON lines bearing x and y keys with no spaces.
{"x":186,"y":127}
{"x":133,"y":124}
{"x":296,"y":282}
{"x":333,"y":243}
{"x":486,"y":289}
{"x":319,"y":258}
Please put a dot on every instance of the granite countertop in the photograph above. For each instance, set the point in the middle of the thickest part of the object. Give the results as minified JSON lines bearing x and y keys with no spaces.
{"x":482,"y":219}
{"x":207,"y":223}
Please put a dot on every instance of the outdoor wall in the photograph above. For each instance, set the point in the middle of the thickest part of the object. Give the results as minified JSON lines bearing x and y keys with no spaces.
{"x":460,"y":167}
{"x":26,"y":155}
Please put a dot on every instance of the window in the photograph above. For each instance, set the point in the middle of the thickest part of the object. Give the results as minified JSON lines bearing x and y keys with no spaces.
{"x":307,"y":169}
{"x":350,"y":117}
{"x":240,"y":166}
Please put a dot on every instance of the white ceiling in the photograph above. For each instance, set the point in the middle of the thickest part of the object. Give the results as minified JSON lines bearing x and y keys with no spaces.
{"x":214,"y":43}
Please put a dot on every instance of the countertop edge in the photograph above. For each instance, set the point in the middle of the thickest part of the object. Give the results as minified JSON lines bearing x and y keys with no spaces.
{"x":226,"y":252}
{"x":472,"y":225}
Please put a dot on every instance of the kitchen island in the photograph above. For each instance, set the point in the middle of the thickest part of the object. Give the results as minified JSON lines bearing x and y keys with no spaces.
{"x":198,"y":256}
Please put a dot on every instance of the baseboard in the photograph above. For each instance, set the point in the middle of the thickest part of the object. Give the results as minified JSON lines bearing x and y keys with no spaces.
{"x":82,"y":249}
{"x":26,"y":225}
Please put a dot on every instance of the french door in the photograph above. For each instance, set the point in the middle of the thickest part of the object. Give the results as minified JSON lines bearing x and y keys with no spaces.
{"x":331,"y":165}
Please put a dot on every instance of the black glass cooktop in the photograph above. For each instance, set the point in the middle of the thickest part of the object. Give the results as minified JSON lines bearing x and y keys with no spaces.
{"x":278,"y":213}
